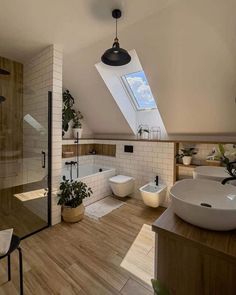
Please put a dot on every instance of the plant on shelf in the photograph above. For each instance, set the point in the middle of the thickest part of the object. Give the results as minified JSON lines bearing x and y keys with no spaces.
{"x":186,"y":155}
{"x":71,"y":197}
{"x":69,"y":114}
{"x":228,"y":158}
{"x":77,"y":125}
{"x":159,"y":288}
{"x":143,"y":131}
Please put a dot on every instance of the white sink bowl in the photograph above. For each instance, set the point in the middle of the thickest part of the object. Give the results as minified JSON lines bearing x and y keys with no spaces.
{"x":190,"y":198}
{"x":210,"y":172}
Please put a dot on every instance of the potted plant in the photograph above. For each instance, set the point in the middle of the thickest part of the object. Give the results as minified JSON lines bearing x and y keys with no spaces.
{"x":159,"y":288}
{"x":143,"y":132}
{"x":77,"y":126}
{"x":71,"y":197}
{"x":68,"y":113}
{"x":186,"y":155}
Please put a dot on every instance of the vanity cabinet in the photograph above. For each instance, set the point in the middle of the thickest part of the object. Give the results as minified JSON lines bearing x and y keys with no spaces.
{"x":194,"y":261}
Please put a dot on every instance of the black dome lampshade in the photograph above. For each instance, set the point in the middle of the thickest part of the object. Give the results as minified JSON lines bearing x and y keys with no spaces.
{"x":116,"y":56}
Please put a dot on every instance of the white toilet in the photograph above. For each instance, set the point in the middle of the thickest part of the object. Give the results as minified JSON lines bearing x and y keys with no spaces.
{"x":153,"y":195}
{"x":122,"y":185}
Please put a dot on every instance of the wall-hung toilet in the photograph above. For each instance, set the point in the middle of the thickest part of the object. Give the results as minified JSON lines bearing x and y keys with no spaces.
{"x":122,"y":185}
{"x":153,"y":195}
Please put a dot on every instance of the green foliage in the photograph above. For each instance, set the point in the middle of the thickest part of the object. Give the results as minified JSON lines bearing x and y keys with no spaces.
{"x":72,"y":193}
{"x":68,"y":113}
{"x":187,"y":152}
{"x":159,"y":288}
{"x":141,"y":130}
{"x":76,"y":120}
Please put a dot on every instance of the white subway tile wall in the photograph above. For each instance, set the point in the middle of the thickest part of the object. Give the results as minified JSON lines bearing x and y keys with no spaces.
{"x":43,"y":73}
{"x":147,"y":160}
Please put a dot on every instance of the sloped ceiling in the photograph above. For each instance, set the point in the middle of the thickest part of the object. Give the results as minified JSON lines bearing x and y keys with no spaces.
{"x":187,"y":49}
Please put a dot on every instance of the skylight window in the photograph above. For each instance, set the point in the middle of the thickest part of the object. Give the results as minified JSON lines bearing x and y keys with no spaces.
{"x":139,"y":90}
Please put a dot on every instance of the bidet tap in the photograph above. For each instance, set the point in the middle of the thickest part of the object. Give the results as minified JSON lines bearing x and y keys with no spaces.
{"x":157,"y":180}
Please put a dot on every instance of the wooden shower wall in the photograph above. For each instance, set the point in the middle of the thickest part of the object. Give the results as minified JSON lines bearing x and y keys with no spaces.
{"x":11,"y":125}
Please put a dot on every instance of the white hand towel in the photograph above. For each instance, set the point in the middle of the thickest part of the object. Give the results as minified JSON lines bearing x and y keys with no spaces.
{"x":5,"y":240}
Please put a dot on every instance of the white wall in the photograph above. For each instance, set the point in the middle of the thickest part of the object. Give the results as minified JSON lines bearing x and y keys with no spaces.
{"x":188,"y":52}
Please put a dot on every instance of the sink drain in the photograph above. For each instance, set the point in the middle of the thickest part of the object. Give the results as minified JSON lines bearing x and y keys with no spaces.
{"x":206,"y":205}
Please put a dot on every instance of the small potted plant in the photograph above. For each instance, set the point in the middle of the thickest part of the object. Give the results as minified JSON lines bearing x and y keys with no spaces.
{"x":159,"y":288}
{"x":143,"y":132}
{"x":186,"y":155}
{"x":77,"y":126}
{"x":71,"y":197}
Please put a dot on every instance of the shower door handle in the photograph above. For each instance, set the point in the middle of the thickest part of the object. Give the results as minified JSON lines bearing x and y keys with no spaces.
{"x":43,"y":159}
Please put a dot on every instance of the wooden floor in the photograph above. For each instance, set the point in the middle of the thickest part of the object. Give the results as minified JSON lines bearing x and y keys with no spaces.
{"x":83,"y":258}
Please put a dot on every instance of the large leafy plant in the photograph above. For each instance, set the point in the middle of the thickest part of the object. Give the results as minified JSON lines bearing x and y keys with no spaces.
{"x":68,"y":113}
{"x":72,"y":193}
{"x":229,"y":159}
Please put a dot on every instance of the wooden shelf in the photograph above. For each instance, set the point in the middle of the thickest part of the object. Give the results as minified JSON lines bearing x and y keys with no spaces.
{"x":187,"y":166}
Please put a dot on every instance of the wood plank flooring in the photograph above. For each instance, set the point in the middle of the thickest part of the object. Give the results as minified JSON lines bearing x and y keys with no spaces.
{"x":83,"y":258}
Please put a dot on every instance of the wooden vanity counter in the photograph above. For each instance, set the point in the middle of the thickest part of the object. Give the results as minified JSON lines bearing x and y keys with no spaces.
{"x":194,"y":261}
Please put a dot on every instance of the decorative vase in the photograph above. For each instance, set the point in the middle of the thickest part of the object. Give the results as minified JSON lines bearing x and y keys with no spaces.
{"x":79,"y":131}
{"x":69,"y":133}
{"x":145,"y":135}
{"x":187,"y":160}
{"x":73,"y":214}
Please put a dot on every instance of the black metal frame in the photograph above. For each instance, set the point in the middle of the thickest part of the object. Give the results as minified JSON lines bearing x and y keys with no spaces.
{"x":49,"y":178}
{"x":15,"y":245}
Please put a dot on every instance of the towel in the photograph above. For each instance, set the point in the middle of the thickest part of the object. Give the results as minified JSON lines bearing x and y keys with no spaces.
{"x":5,"y":240}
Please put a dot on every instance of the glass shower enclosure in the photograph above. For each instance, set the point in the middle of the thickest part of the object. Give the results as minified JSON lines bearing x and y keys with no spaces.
{"x":25,"y":150}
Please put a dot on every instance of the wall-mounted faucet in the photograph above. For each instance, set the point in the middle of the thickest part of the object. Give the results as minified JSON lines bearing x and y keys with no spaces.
{"x":157,"y":180}
{"x":231,"y":168}
{"x":70,"y":163}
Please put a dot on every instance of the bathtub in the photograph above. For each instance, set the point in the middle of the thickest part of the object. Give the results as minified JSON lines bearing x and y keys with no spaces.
{"x":94,"y":176}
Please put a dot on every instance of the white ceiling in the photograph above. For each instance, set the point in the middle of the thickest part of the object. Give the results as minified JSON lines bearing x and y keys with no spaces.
{"x":186,"y":47}
{"x":27,"y":26}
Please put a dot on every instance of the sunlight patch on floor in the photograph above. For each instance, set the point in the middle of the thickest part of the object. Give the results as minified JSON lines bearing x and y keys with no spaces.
{"x":139,"y":260}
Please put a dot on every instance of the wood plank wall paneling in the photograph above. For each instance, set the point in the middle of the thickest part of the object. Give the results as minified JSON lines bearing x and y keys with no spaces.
{"x":11,"y":126}
{"x":11,"y":110}
{"x":86,"y":149}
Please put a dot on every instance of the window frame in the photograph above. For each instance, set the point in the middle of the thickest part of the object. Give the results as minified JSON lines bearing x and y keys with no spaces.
{"x":131,"y":95}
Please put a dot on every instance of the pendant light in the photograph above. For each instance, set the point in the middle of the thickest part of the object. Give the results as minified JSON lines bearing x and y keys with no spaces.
{"x":116,"y":56}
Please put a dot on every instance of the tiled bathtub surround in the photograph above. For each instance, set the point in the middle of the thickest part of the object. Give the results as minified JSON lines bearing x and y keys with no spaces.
{"x":99,"y":184}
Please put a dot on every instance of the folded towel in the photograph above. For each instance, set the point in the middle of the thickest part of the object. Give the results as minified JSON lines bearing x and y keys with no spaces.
{"x":5,"y":240}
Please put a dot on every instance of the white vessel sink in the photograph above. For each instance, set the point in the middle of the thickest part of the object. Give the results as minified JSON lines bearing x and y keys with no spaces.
{"x":205,"y":203}
{"x":210,"y":172}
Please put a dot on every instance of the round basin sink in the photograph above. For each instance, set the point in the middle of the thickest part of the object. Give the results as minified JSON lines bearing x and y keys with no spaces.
{"x":205,"y":203}
{"x":210,"y":172}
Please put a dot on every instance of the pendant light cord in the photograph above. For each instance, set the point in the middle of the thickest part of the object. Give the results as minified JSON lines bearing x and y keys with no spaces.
{"x":116,"y":29}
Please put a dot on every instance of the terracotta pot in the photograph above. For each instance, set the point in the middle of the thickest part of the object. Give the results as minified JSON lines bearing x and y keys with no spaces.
{"x":73,"y":214}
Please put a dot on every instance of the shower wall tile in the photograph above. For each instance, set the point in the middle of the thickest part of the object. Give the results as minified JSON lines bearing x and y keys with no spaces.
{"x":43,"y":73}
